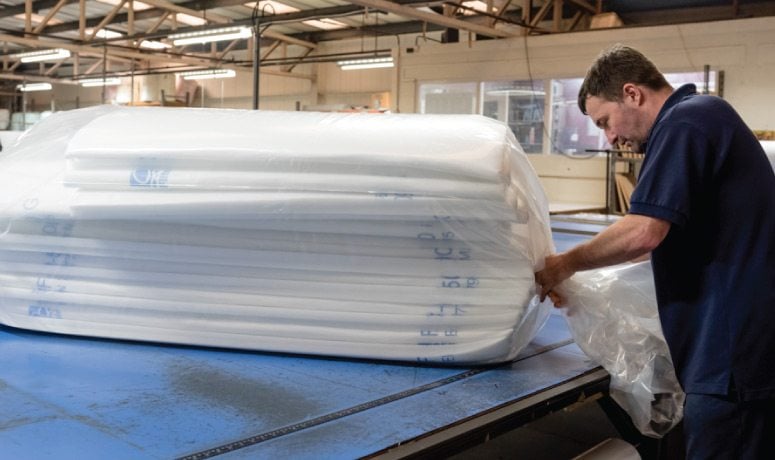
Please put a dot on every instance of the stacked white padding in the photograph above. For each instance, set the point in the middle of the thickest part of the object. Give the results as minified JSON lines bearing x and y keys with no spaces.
{"x":377,"y":236}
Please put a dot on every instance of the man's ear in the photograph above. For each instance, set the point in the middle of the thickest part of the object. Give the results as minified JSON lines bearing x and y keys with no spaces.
{"x":631,"y":93}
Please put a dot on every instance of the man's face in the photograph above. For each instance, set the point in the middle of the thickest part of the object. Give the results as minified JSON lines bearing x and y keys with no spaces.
{"x":620,"y":120}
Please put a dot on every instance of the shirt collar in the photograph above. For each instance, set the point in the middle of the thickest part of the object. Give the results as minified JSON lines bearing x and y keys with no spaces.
{"x":678,"y":95}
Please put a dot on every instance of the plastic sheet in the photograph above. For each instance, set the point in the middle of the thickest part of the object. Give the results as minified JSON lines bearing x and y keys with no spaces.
{"x":769,"y":149}
{"x":399,"y":237}
{"x":613,"y":316}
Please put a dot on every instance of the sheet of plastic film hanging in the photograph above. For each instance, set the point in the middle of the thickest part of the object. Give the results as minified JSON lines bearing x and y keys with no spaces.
{"x":402,"y":237}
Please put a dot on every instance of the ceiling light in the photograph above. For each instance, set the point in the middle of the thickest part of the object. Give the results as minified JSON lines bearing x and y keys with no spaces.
{"x":154,"y":45}
{"x":207,"y":74}
{"x":366,"y":63}
{"x":112,"y":81}
{"x":190,"y":20}
{"x":325,"y":24}
{"x":104,"y":33}
{"x":43,"y":55}
{"x":214,"y":35}
{"x":34,"y":87}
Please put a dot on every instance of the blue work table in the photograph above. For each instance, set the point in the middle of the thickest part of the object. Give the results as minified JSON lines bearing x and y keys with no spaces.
{"x":71,"y":397}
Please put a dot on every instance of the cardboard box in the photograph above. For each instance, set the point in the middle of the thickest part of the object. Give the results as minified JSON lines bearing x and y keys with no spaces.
{"x":605,"y":21}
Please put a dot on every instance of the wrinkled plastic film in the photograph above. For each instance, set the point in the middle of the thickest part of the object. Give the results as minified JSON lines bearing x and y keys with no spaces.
{"x":613,"y":317}
{"x":769,"y":150}
{"x":389,"y":236}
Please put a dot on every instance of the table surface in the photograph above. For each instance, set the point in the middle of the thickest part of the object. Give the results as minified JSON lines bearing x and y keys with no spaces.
{"x":74,"y":397}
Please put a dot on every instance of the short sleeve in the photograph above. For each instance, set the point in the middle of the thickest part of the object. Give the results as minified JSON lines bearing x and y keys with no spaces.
{"x":673,"y":173}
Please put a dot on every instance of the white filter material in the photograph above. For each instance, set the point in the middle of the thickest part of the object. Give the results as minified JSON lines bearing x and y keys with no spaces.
{"x":400,"y":237}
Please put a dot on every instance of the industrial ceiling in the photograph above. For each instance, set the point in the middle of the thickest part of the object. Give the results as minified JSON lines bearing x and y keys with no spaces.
{"x":119,"y":37}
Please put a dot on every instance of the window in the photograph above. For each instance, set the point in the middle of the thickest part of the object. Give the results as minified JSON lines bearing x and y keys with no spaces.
{"x":448,"y":98}
{"x":573,"y":132}
{"x":519,"y":104}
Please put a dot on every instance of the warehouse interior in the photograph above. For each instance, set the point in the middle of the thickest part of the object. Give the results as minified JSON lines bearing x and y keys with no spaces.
{"x":520,"y":62}
{"x":514,"y":52}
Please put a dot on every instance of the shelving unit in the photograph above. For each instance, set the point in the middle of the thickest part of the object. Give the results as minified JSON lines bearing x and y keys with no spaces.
{"x":523,"y":113}
{"x":527,"y":122}
{"x":617,"y":197}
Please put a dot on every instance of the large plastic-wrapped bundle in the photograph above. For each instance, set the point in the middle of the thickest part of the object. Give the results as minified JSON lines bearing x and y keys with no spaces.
{"x":407,"y":237}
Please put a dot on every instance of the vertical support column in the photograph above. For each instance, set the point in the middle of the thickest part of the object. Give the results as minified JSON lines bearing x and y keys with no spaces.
{"x":256,"y":61}
{"x":527,"y":8}
{"x":82,"y":20}
{"x":557,"y":15}
{"x":104,"y":70}
{"x":27,"y":17}
{"x":130,"y":17}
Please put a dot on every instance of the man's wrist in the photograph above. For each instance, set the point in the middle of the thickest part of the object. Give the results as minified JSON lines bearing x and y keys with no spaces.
{"x":577,"y":259}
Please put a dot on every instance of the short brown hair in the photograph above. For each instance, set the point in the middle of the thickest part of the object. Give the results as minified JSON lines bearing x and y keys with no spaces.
{"x":613,"y":68}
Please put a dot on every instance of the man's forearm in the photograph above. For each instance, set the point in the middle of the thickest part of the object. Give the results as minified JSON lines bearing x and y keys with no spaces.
{"x":631,"y":237}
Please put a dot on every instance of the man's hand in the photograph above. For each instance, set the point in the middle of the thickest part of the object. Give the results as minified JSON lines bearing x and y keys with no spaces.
{"x":556,"y":270}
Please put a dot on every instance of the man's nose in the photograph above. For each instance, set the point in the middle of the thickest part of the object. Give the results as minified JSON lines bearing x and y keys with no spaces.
{"x":611,"y":137}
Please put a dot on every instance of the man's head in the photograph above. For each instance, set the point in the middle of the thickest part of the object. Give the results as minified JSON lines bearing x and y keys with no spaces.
{"x":622,"y":93}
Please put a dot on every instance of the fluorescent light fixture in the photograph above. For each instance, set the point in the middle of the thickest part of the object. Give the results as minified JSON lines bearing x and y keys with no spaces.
{"x":207,"y":74}
{"x":104,"y":33}
{"x":154,"y":45}
{"x":190,"y":20}
{"x":89,"y":82}
{"x":214,"y":35}
{"x":366,"y":63}
{"x":274,"y":7}
{"x":325,"y":24}
{"x":34,"y":87}
{"x":43,"y":55}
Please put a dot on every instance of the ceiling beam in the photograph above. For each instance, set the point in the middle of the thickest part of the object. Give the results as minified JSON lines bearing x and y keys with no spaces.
{"x":9,"y":11}
{"x":106,"y":20}
{"x":49,"y":15}
{"x":133,"y":54}
{"x":582,"y":4}
{"x":42,"y":78}
{"x":446,"y":21}
{"x":268,"y":33}
{"x":178,"y":8}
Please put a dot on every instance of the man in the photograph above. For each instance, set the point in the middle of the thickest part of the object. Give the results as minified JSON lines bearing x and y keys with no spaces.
{"x":704,"y":207}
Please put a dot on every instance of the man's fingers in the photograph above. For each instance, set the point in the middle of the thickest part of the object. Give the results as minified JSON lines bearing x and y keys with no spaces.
{"x":557,"y":300}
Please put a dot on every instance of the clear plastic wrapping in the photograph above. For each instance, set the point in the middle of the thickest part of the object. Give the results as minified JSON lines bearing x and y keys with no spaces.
{"x":769,"y":150}
{"x":408,"y":237}
{"x":613,"y":317}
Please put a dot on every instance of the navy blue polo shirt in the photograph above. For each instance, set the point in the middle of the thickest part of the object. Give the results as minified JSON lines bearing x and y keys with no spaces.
{"x":705,"y":173}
